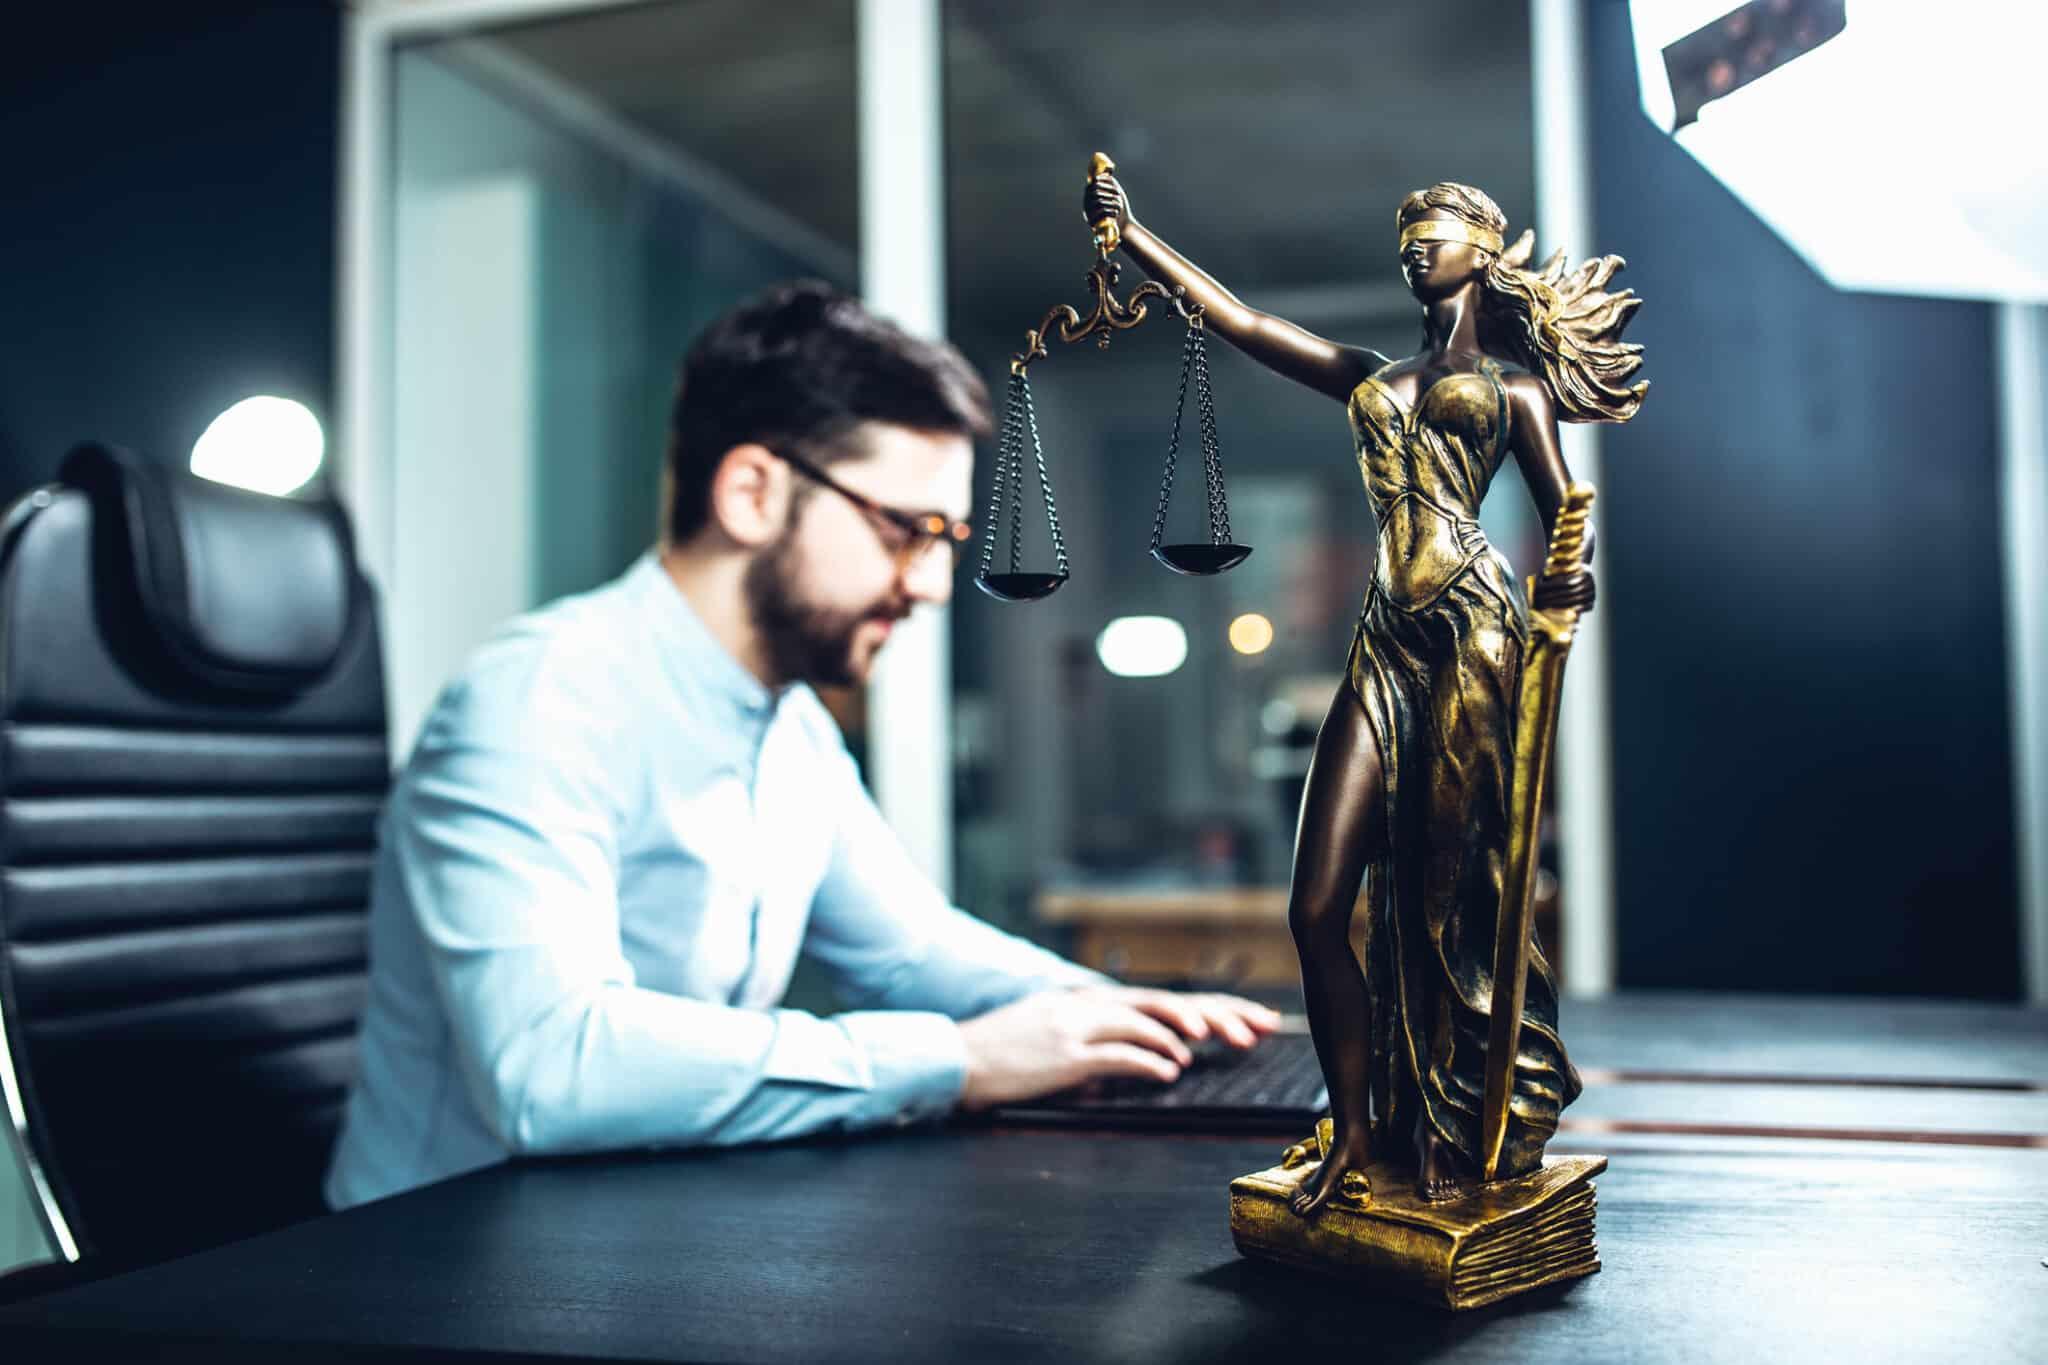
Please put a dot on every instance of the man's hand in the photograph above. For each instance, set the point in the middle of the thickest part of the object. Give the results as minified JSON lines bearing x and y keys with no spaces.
{"x":1057,"y":1039}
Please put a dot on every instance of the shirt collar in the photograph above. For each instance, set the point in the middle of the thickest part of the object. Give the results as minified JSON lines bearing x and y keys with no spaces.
{"x":687,"y":645}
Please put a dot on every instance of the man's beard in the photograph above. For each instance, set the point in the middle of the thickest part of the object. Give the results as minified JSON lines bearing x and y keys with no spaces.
{"x":805,"y":642}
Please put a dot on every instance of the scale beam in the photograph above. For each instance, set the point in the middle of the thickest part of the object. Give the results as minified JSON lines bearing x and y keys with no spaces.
{"x":1108,"y":316}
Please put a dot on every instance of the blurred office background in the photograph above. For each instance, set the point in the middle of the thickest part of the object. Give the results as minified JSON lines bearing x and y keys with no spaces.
{"x":473,"y":239}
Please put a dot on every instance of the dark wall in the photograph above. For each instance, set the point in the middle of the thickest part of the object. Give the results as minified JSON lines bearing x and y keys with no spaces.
{"x":168,"y":244}
{"x":1810,"y":742}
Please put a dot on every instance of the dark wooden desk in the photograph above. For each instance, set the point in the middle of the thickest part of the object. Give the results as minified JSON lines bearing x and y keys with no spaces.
{"x":999,"y":1245}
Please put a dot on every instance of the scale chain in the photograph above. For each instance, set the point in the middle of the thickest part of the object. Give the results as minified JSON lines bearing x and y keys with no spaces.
{"x":1001,"y":518}
{"x":1016,"y":480}
{"x":1052,"y":512}
{"x":1212,"y":457}
{"x":998,"y":493}
{"x":1187,"y":361}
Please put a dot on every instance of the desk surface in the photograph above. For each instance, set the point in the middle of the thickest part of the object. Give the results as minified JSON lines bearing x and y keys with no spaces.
{"x":955,"y":1245}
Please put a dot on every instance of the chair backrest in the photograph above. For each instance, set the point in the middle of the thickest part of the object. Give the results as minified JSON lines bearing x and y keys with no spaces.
{"x":192,"y":756}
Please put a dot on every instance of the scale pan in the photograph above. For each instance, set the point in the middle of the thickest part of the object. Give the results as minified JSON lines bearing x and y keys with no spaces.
{"x":1019,"y":587}
{"x":1200,"y":559}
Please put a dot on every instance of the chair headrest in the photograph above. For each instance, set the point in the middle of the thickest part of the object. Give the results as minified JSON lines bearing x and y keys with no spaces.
{"x":242,"y":590}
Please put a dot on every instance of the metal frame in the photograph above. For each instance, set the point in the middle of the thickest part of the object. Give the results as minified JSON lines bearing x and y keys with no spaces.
{"x":901,"y":56}
{"x":44,"y":1199}
{"x":1585,"y":776}
{"x":2022,"y":344}
{"x":56,"y":1228}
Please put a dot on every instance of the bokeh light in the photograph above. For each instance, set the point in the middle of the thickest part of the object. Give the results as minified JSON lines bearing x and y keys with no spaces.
{"x":270,"y":445}
{"x":1251,"y":633}
{"x":1142,"y":646}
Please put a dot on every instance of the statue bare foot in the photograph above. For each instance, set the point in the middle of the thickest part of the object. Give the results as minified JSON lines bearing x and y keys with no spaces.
{"x":1438,"y":1178}
{"x":1349,"y":1153}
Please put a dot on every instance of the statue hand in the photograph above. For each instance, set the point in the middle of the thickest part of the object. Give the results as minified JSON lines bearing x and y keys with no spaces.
{"x":1574,"y":590}
{"x":1105,"y":198}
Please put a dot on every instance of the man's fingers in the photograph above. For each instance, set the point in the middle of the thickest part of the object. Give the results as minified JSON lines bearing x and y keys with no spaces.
{"x":1128,"y":1059}
{"x":1181,"y":1011}
{"x":1239,"y":1022}
{"x":1264,"y":1018}
{"x":1122,"y":1023}
{"x":1230,"y":1026}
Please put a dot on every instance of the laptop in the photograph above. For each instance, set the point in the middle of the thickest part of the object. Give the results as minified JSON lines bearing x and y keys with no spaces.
{"x":1276,"y":1087}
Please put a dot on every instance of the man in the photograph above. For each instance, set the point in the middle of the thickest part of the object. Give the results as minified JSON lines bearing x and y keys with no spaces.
{"x":628,"y":815}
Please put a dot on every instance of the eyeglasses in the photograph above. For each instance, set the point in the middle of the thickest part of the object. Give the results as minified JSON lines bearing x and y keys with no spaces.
{"x":911,"y":535}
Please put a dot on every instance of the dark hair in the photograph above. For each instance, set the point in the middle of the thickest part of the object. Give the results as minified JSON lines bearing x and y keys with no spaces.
{"x":800,"y":366}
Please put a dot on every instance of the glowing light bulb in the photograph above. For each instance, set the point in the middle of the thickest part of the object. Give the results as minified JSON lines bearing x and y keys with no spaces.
{"x":270,"y":445}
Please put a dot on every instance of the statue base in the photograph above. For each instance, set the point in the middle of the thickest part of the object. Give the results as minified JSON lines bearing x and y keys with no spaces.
{"x":1493,"y":1242}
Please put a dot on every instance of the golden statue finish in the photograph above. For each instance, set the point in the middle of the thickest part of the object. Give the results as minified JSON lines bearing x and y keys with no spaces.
{"x":1438,"y":1041}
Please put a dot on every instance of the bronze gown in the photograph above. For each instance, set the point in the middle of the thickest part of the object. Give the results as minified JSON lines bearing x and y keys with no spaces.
{"x":1436,"y":663}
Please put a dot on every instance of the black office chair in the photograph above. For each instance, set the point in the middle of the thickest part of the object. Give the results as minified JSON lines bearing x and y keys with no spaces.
{"x":192,"y":756}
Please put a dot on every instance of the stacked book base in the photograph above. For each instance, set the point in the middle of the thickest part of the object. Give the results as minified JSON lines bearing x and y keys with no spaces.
{"x":1495,"y":1241}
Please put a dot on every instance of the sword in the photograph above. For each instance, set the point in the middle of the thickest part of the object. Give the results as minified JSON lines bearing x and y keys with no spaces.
{"x":1550,"y":640}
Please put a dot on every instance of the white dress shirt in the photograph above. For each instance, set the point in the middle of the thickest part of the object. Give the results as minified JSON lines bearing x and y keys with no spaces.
{"x":594,"y":877}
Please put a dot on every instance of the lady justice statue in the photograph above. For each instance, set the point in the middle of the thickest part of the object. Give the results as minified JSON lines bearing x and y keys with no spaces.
{"x":1411,"y":782}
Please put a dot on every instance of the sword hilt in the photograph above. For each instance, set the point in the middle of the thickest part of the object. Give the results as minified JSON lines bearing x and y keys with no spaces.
{"x":1568,"y":532}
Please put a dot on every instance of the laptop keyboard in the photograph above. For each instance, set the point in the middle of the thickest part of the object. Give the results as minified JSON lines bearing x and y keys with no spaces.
{"x":1280,"y":1074}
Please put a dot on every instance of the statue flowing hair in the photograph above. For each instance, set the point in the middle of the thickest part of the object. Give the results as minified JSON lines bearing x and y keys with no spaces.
{"x":1565,"y":328}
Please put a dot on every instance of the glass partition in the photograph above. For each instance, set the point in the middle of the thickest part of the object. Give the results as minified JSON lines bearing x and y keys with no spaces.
{"x":1153,"y":816}
{"x":573,"y":199}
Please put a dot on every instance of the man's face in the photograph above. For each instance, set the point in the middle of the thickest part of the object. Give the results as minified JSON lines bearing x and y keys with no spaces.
{"x":827,"y":595}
